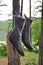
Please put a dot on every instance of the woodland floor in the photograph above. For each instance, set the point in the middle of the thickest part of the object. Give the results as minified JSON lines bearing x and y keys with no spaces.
{"x":28,"y":56}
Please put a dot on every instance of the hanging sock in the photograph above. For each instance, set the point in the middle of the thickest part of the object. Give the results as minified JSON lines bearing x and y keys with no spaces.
{"x":25,"y":33}
{"x":19,"y":21}
{"x":15,"y":36}
{"x":15,"y":40}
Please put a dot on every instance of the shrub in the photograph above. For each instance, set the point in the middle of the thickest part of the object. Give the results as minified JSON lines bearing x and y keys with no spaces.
{"x":31,"y":62}
{"x":3,"y":49}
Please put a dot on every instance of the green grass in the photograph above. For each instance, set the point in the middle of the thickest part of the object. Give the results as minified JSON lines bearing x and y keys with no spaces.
{"x":36,"y":29}
{"x":29,"y":56}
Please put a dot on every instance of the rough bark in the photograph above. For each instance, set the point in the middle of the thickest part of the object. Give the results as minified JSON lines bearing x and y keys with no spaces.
{"x":16,"y":7}
{"x":41,"y":41}
{"x":13,"y":56}
{"x":21,"y":7}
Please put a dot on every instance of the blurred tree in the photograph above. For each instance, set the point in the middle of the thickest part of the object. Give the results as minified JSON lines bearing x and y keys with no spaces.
{"x":41,"y":41}
{"x":13,"y":56}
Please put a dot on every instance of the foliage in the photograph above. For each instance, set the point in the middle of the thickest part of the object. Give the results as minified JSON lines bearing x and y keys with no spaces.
{"x":36,"y":47}
{"x":9,"y":26}
{"x":29,"y":57}
{"x":36,"y":27}
{"x":31,"y":62}
{"x":3,"y":49}
{"x":5,"y":27}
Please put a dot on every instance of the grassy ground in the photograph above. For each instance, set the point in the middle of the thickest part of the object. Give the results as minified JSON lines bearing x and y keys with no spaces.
{"x":28,"y":56}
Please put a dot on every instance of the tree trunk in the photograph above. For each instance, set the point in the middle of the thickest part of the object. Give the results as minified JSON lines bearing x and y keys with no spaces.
{"x":41,"y":41}
{"x":21,"y":7}
{"x":16,"y":7}
{"x":13,"y":56}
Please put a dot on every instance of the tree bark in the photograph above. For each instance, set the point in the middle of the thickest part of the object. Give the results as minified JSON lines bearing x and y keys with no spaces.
{"x":30,"y":8}
{"x":13,"y":56}
{"x":41,"y":41}
{"x":21,"y":7}
{"x":16,"y":7}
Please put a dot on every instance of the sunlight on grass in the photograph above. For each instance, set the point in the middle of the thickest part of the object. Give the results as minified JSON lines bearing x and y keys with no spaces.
{"x":29,"y":56}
